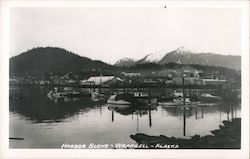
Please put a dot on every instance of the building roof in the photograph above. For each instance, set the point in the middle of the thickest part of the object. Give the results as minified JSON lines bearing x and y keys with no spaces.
{"x":100,"y":79}
{"x":119,"y":79}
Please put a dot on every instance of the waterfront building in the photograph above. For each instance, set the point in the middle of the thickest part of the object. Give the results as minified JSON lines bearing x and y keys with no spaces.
{"x":104,"y":80}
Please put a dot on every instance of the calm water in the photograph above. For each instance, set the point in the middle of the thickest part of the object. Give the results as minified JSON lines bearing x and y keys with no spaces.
{"x":44,"y":123}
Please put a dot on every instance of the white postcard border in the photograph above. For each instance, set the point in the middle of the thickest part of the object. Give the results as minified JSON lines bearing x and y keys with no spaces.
{"x":5,"y":152}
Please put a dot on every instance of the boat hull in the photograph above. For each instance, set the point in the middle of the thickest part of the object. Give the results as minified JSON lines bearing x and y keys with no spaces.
{"x":52,"y":94}
{"x":118,"y":102}
{"x":121,"y":106}
{"x":209,"y":98}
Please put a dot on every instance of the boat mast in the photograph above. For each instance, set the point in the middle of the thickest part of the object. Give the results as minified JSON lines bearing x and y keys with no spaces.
{"x":183,"y":90}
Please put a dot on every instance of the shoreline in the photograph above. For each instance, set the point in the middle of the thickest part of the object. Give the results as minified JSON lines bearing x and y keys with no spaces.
{"x":227,"y":137}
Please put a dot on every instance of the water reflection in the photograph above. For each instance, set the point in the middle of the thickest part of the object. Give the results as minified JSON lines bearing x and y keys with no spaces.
{"x":187,"y":112}
{"x":131,"y":110}
{"x":150,"y":118}
{"x":84,"y":121}
{"x":40,"y":109}
{"x":184,"y":121}
{"x":122,"y":110}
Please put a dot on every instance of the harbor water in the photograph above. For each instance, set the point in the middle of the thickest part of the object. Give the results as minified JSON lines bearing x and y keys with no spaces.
{"x":44,"y":123}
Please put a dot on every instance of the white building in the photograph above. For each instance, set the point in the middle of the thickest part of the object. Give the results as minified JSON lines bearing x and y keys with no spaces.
{"x":103,"y":80}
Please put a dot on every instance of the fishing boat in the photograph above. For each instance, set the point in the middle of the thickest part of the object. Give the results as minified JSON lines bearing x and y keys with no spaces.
{"x":122,"y":99}
{"x":143,"y":98}
{"x":176,"y":102}
{"x":55,"y":93}
{"x":66,"y":92}
{"x":113,"y":100}
{"x":180,"y":100}
{"x":141,"y":95}
{"x":97,"y":97}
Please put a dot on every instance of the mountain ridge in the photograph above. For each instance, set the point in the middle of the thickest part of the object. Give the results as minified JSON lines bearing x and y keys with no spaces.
{"x":185,"y":56}
{"x":209,"y":59}
{"x":42,"y":61}
{"x":127,"y":62}
{"x":52,"y":59}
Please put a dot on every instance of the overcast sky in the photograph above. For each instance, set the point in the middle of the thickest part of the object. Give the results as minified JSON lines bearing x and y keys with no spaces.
{"x":109,"y":34}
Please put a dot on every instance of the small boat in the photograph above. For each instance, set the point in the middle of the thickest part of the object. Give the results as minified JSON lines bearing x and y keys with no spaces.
{"x":180,"y":100}
{"x":96,"y":97}
{"x":55,"y":94}
{"x":205,"y":97}
{"x":141,"y":95}
{"x":143,"y":98}
{"x":66,"y":92}
{"x":177,"y":100}
{"x":207,"y":104}
{"x":112,"y":100}
{"x":178,"y":94}
{"x":174,"y":103}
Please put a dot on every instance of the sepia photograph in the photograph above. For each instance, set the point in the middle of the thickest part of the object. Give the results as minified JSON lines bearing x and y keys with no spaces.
{"x":134,"y":78}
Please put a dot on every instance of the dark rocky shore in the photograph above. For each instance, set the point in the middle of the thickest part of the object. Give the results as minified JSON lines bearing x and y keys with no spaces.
{"x":227,"y":137}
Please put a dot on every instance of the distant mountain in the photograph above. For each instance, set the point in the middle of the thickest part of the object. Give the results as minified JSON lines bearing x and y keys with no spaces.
{"x":51,"y":59}
{"x":185,"y":56}
{"x":151,"y":58}
{"x":125,"y":62}
{"x":44,"y":60}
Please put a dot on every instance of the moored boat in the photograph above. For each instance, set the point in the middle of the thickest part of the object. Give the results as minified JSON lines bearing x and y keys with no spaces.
{"x":66,"y":92}
{"x":97,"y":97}
{"x":205,"y":97}
{"x":176,"y":102}
{"x":113,"y":100}
{"x":141,"y":95}
{"x":55,"y":93}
